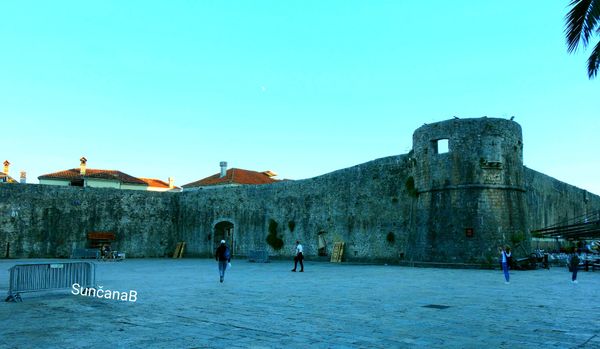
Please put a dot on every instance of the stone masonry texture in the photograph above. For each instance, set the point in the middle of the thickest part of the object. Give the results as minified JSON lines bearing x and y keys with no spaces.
{"x":424,"y":206}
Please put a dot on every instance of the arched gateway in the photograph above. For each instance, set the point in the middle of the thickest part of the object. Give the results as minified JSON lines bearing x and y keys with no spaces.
{"x":223,"y":230}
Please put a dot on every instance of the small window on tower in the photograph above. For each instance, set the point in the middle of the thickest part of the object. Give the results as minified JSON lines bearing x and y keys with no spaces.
{"x":440,"y":146}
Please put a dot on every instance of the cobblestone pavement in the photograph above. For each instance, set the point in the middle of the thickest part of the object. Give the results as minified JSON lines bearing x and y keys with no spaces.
{"x":181,"y":304}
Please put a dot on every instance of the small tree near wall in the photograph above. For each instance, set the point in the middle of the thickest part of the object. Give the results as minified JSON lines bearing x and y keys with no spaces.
{"x":272,"y":239}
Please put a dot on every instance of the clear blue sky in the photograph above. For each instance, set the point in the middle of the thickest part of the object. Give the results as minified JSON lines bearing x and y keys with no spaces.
{"x":170,"y":88}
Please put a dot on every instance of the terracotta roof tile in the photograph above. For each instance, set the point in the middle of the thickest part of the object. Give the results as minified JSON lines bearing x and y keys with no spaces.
{"x":157,"y":183}
{"x":74,"y":173}
{"x":233,"y":176}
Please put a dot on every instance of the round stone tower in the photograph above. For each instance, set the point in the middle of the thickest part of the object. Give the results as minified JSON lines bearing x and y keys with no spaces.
{"x":468,"y":174}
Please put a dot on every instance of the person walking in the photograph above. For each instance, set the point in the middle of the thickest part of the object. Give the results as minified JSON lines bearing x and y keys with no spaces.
{"x":299,"y":257}
{"x":574,"y":266}
{"x":505,"y":253}
{"x":223,"y":256}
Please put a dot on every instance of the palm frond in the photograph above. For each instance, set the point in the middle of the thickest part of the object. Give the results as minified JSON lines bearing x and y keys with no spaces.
{"x":593,"y":20}
{"x":581,"y":20}
{"x":594,"y":62}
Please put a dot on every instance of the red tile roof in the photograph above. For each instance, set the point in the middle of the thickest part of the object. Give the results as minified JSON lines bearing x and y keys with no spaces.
{"x":74,"y":173}
{"x":233,"y":176}
{"x":157,"y":183}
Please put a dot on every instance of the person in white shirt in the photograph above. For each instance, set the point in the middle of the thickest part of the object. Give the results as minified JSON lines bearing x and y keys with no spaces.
{"x":505,"y":252}
{"x":299,"y":257}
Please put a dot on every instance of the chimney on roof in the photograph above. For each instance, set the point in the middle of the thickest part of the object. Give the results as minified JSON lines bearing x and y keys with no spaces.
{"x":270,"y":173}
{"x":23,"y":177}
{"x":6,"y":164}
{"x":171,"y":183}
{"x":82,"y":165}
{"x":223,"y":169}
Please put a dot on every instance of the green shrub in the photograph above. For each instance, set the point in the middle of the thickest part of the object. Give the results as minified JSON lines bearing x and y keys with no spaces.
{"x":391,"y":238}
{"x":410,"y":187}
{"x":517,"y":237}
{"x":272,"y":239}
{"x":272,"y":227}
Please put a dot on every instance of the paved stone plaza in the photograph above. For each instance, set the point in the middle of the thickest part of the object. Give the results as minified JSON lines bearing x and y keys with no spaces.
{"x":181,"y":304}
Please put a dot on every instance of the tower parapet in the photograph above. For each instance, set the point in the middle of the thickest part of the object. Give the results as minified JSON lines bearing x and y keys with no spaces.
{"x":469,"y":177}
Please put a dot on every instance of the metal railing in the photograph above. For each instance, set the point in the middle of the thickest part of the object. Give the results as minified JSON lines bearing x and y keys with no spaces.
{"x":49,"y":276}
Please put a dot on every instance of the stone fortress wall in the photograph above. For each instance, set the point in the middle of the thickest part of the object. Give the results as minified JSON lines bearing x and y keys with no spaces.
{"x":550,"y":201}
{"x":50,"y":221}
{"x":425,"y":206}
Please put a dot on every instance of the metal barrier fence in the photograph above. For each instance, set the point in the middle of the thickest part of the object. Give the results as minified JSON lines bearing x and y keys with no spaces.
{"x":258,"y":256}
{"x":49,"y":276}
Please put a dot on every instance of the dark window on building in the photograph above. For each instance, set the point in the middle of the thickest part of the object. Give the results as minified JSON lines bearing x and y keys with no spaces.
{"x":77,"y":183}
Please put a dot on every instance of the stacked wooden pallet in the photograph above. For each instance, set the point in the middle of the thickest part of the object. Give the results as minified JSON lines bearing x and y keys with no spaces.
{"x":338,"y":252}
{"x":179,"y":250}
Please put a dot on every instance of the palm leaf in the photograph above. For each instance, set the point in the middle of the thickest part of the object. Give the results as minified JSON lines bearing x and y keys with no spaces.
{"x":581,"y":20}
{"x":594,"y":62}
{"x":593,"y":20}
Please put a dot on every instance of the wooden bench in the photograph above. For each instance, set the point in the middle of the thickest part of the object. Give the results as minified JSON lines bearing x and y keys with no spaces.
{"x":99,"y":238}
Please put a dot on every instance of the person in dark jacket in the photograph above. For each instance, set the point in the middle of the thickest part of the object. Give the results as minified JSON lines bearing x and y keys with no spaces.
{"x":223,"y":256}
{"x":574,"y":266}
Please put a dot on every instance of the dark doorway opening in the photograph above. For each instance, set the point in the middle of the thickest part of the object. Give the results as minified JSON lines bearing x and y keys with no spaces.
{"x":223,"y":231}
{"x":321,"y":244}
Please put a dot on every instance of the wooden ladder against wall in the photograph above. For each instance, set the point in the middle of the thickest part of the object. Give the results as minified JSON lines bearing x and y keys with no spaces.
{"x":179,"y":250}
{"x":338,"y":252}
